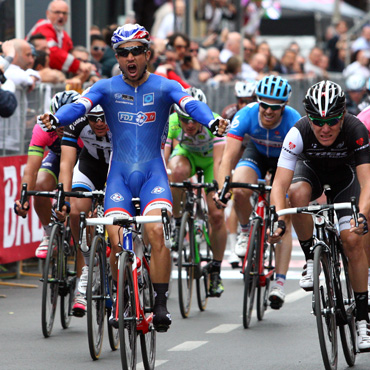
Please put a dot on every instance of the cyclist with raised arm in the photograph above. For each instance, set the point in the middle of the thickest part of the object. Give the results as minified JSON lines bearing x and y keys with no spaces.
{"x":266,"y":123}
{"x":245,"y":93}
{"x":41,"y":174}
{"x":88,"y":174}
{"x":197,"y":148}
{"x":328,"y":146}
{"x":136,"y":105}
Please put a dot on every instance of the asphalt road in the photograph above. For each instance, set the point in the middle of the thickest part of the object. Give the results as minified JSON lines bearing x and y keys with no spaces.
{"x":214,"y":339}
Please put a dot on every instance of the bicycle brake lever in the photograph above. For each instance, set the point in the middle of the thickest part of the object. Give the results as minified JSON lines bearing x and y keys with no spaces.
{"x":273,"y":218}
{"x":224,"y":190}
{"x":354,"y":210}
{"x":166,"y":224}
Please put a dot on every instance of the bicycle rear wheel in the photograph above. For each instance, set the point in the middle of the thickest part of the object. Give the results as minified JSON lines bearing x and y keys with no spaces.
{"x":67,"y":291}
{"x":202,"y":275}
{"x":185,"y":264}
{"x":348,"y":330}
{"x":263,"y":291}
{"x":147,"y":340}
{"x":251,"y":272}
{"x":126,"y":313}
{"x":50,"y":285}
{"x":324,"y":308}
{"x":95,"y":297}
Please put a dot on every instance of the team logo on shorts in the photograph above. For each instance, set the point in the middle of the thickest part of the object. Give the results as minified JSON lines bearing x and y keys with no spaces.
{"x":148,"y":99}
{"x":157,"y":190}
{"x":117,"y":197}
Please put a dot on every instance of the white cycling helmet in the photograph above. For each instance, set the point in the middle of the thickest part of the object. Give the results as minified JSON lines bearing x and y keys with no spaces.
{"x":355,"y":82}
{"x":96,"y":111}
{"x":245,"y":89}
{"x":197,"y":94}
{"x":62,"y":98}
{"x":130,"y":32}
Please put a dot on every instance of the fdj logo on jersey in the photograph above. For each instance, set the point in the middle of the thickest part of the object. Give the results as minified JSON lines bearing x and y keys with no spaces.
{"x":136,"y":118}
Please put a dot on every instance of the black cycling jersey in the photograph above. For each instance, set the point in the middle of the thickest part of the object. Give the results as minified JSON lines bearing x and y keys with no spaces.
{"x":350,"y":147}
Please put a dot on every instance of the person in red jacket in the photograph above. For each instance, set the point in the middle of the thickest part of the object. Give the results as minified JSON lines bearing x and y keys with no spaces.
{"x":59,"y":42}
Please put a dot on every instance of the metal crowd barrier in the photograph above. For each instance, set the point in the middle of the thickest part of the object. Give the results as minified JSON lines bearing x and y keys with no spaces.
{"x":16,"y":131}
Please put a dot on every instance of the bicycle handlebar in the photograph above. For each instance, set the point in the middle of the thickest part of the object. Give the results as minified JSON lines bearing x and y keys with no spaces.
{"x":193,"y":185}
{"x":59,"y":195}
{"x":314,"y":209}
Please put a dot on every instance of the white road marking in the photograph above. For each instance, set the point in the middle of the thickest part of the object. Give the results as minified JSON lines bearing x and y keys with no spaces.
{"x":140,"y":366}
{"x":296,"y":295}
{"x":188,"y":346}
{"x":224,"y":328}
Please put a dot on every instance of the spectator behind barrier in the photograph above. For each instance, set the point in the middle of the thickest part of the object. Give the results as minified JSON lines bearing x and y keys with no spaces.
{"x":59,"y":41}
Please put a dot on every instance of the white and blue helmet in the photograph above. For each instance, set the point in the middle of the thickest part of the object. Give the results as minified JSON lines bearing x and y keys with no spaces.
{"x":130,"y":32}
{"x":62,"y":98}
{"x":274,"y":87}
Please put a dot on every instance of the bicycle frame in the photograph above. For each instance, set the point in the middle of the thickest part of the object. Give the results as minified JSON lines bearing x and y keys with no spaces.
{"x":260,"y":211}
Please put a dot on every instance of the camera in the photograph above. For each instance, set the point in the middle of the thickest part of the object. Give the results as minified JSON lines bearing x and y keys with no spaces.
{"x":187,"y":59}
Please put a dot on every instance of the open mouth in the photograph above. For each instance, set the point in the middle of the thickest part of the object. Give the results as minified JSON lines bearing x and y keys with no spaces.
{"x":132,"y":69}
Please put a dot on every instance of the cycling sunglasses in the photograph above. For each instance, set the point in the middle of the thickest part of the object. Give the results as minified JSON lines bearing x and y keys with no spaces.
{"x":96,"y":118}
{"x":274,"y":107}
{"x":187,"y":120}
{"x":329,"y":121}
{"x":134,"y":50}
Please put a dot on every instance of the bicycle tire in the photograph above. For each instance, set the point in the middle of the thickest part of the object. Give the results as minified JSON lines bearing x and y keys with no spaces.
{"x":324,"y":308}
{"x":147,"y":340}
{"x":347,"y":331}
{"x":67,"y":291}
{"x":113,"y":333}
{"x":95,"y":297}
{"x":50,"y":285}
{"x":251,"y":275}
{"x":263,"y":291}
{"x":202,"y":278}
{"x":185,"y":264}
{"x":126,"y":313}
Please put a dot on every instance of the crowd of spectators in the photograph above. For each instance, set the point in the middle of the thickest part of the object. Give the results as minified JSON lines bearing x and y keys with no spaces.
{"x":223,"y":55}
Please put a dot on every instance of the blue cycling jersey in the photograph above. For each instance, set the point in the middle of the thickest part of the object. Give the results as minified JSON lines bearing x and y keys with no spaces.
{"x":267,"y":141}
{"x":137,"y":116}
{"x":138,"y":121}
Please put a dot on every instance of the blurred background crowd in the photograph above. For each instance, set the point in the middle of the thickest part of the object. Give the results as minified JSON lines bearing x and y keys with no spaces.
{"x":210,"y":44}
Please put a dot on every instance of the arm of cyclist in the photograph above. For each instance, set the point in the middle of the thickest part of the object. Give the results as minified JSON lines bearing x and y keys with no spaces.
{"x":232,"y":149}
{"x":29,"y":177}
{"x":363,"y":175}
{"x":218,"y":150}
{"x":67,"y":162}
{"x":200,"y":112}
{"x":280,"y":186}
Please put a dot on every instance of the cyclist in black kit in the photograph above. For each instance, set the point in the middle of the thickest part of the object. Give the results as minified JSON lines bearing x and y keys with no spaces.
{"x":90,"y":173}
{"x":328,"y":146}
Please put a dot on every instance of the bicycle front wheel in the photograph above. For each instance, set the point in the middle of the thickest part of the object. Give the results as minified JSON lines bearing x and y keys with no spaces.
{"x":263,"y":291}
{"x":185,"y":264}
{"x":67,"y":290}
{"x":95,"y":297}
{"x":348,"y":330}
{"x":251,"y":272}
{"x":50,"y":285}
{"x":126,"y":313}
{"x":113,"y":333}
{"x":324,"y":308}
{"x":147,"y":340}
{"x":202,"y":276}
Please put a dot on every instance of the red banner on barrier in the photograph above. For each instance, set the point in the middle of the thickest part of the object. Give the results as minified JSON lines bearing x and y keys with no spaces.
{"x":19,"y":237}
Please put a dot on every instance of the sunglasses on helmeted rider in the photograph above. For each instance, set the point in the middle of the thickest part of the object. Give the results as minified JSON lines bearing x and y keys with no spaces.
{"x":265,"y":105}
{"x":134,"y":50}
{"x":332,"y":121}
{"x":96,"y":118}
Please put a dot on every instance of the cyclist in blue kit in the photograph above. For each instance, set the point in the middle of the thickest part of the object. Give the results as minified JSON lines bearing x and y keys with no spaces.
{"x":266,"y":122}
{"x":137,"y":105}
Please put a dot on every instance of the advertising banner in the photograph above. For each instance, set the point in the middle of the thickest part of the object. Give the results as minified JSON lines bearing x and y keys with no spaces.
{"x":19,"y":237}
